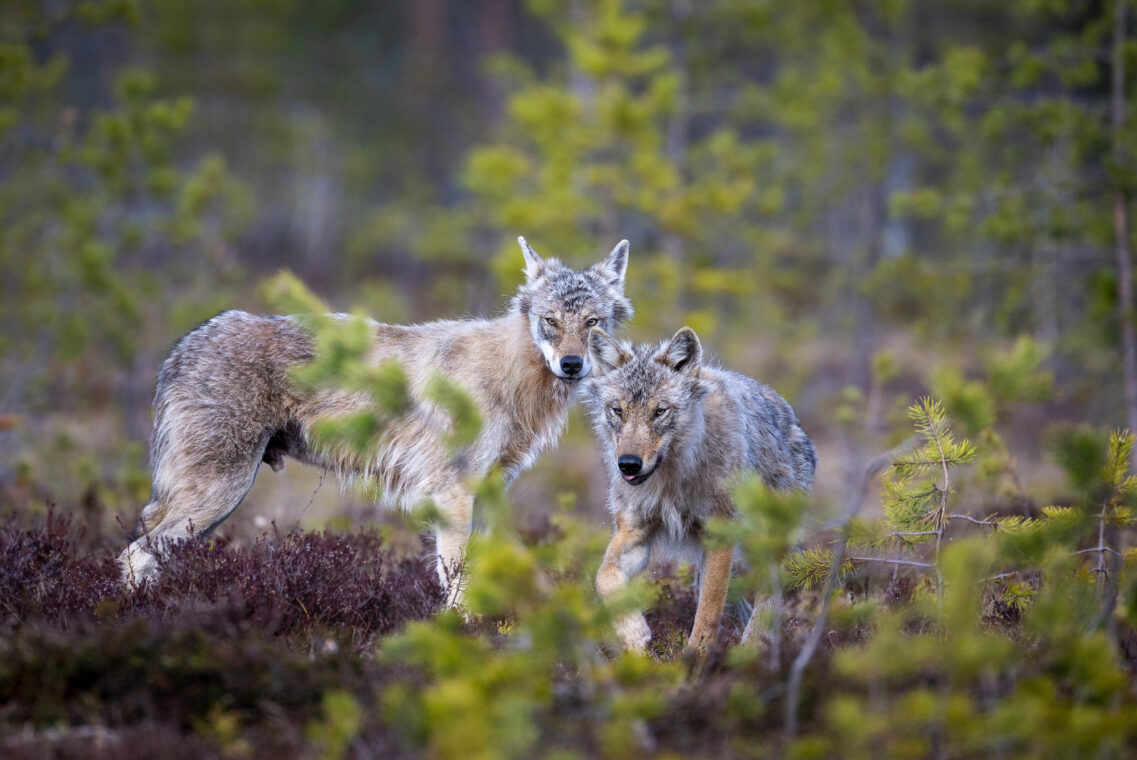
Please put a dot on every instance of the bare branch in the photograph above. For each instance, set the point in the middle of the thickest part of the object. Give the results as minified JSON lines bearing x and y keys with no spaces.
{"x":999,"y":577}
{"x":884,"y":561}
{"x":970,"y":519}
{"x":1100,"y":549}
{"x":931,"y":462}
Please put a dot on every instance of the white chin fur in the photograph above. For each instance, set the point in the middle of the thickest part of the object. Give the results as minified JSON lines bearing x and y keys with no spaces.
{"x":556,"y":370}
{"x":554,"y":364}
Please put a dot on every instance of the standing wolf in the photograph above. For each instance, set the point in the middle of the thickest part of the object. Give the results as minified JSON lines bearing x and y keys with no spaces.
{"x":225,"y":402}
{"x":674,"y":431}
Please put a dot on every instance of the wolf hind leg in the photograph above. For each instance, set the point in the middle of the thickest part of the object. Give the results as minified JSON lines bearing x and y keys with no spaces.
{"x":198,"y":503}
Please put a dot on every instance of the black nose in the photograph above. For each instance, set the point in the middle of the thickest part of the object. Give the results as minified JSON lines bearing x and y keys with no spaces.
{"x":629,"y":464}
{"x":572,"y":365}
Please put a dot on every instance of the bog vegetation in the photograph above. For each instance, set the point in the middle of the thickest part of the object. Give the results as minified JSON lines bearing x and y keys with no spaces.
{"x":911,"y":219}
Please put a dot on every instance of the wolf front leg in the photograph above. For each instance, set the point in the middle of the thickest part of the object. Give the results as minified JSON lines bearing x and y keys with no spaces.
{"x":715,"y":575}
{"x":626,"y":557}
{"x":451,"y":538}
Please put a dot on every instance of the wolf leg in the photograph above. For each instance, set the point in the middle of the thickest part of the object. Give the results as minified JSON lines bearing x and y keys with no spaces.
{"x":194,"y":506}
{"x":457,"y":507}
{"x":715,"y":574}
{"x":626,"y":557}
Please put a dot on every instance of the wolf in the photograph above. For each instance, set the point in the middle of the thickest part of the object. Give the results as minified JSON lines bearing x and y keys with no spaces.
{"x":674,"y":432}
{"x":225,"y":402}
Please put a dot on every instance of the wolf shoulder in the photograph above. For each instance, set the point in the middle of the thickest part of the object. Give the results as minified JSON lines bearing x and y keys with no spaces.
{"x":744,"y":409}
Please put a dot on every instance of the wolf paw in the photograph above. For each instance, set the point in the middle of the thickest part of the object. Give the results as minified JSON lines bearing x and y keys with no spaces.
{"x":634,"y":632}
{"x":137,"y":565}
{"x":698,"y":645}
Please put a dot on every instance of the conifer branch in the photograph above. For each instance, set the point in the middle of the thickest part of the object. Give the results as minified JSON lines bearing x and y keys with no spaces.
{"x":1121,"y":444}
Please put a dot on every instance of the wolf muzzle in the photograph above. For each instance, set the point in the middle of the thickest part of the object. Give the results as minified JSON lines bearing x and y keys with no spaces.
{"x":632,"y":469}
{"x":572,"y":365}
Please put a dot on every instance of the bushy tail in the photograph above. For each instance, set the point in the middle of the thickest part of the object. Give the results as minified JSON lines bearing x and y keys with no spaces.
{"x":794,"y":459}
{"x":803,"y":455}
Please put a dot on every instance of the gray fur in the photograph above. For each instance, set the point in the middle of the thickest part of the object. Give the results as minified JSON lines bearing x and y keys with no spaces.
{"x":695,"y":427}
{"x":224,"y":403}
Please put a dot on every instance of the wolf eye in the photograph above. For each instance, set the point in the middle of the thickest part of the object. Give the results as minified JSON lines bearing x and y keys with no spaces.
{"x":617,"y":411}
{"x":551,"y":321}
{"x":659,"y":412}
{"x":592,"y":321}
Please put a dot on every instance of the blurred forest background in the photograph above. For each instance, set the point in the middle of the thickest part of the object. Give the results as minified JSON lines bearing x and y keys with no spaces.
{"x":854,"y":202}
{"x":902,"y":215}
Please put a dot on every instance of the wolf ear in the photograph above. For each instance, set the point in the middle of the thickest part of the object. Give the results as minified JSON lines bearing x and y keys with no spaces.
{"x":533,"y":261}
{"x":684,"y":353}
{"x":614,"y":265}
{"x":607,"y":353}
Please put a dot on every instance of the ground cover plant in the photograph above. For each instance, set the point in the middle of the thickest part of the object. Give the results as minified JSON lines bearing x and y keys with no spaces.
{"x":326,"y":645}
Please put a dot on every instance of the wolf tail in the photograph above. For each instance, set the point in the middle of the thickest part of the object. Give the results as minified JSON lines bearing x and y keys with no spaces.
{"x":803,"y":456}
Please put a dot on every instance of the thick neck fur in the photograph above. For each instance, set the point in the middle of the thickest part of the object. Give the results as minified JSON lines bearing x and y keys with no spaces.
{"x":527,"y":379}
{"x":534,"y":403}
{"x":685,"y":459}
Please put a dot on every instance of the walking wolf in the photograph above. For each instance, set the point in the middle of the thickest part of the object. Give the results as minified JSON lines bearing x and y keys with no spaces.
{"x":225,"y":402}
{"x":674,"y":431}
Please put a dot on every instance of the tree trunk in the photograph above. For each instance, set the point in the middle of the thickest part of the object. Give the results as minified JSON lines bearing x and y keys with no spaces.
{"x":1121,"y":224}
{"x":428,"y":69}
{"x":495,"y":35}
{"x":678,"y":126}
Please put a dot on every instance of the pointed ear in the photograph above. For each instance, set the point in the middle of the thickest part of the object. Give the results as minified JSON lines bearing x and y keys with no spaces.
{"x":533,"y":261}
{"x":684,"y":353}
{"x":606,"y":352}
{"x":614,"y":265}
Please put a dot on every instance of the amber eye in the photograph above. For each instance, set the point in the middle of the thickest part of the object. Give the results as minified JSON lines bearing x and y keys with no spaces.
{"x":661,"y":411}
{"x":617,"y":411}
{"x":592,"y":322}
{"x":551,"y":321}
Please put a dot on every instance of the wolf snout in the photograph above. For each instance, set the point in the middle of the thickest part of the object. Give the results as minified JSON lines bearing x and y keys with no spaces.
{"x":630,"y":464}
{"x":572,"y":365}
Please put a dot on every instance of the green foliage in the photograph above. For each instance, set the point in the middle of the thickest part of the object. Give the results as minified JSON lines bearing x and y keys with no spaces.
{"x":489,"y":691}
{"x":1118,"y":457}
{"x":969,"y":401}
{"x":1016,"y":377}
{"x":109,"y":229}
{"x":809,"y":568}
{"x":342,"y":345}
{"x":465,"y":421}
{"x":980,"y":407}
{"x":1081,"y":452}
{"x":73,"y":205}
{"x":767,"y":526}
{"x":940,"y":450}
{"x":913,"y":503}
{"x":340,"y":724}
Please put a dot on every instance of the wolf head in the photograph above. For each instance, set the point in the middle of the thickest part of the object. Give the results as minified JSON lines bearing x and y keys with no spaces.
{"x":645,"y":401}
{"x":562,"y":305}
